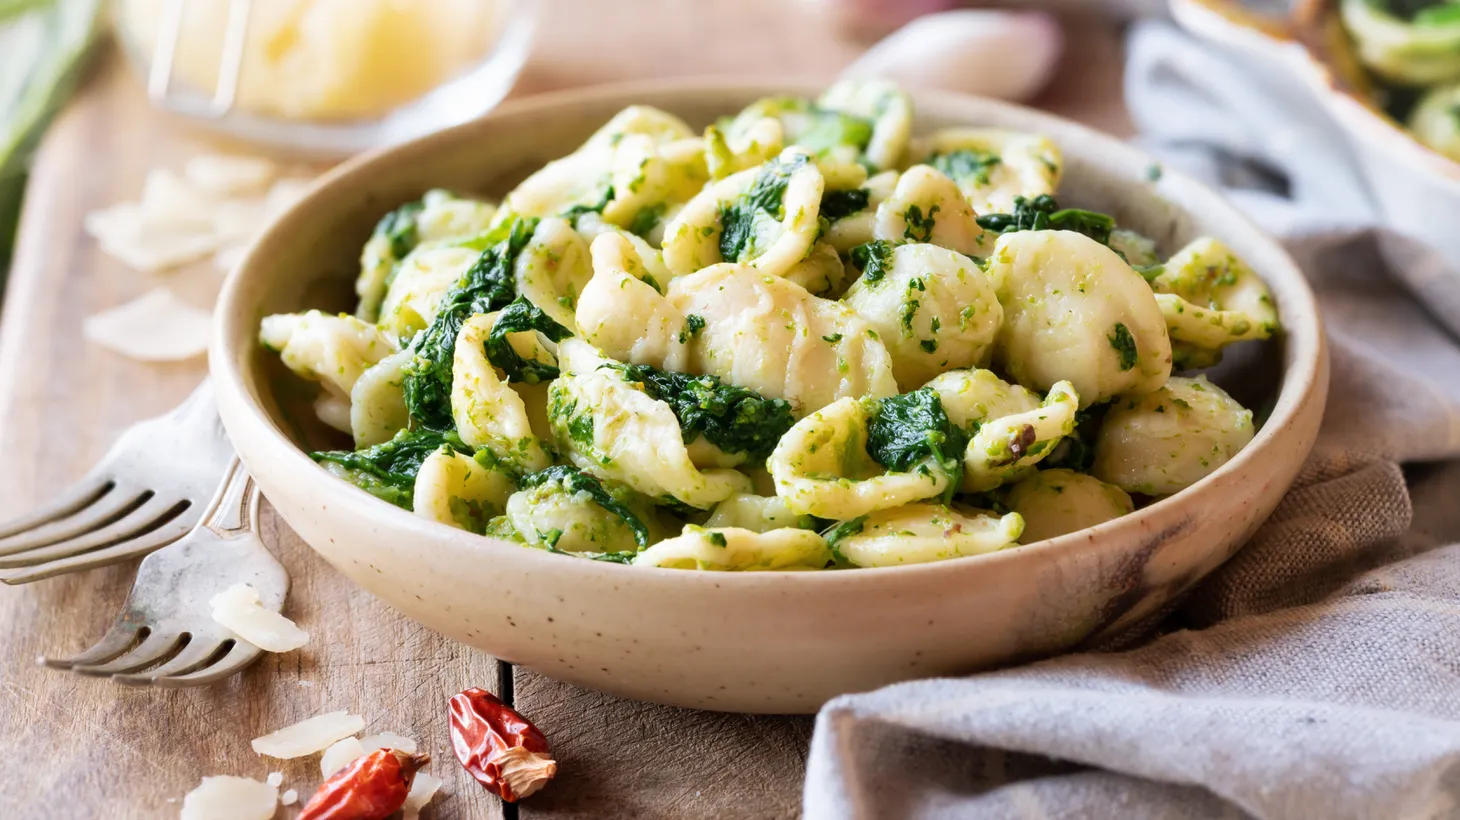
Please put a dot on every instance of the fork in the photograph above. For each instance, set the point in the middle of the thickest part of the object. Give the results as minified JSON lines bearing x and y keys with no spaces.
{"x":165,"y":634}
{"x":148,"y":491}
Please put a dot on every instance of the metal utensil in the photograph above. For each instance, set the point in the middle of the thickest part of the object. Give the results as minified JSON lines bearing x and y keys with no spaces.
{"x":165,"y":634}
{"x":149,"y":490}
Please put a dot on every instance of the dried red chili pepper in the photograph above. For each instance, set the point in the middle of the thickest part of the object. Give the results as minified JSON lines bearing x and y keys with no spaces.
{"x":372,"y":788}
{"x":498,"y":746}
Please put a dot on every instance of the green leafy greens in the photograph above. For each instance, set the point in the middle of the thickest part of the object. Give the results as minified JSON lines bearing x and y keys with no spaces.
{"x":1043,"y":213}
{"x":388,"y":470}
{"x":399,"y":226}
{"x":486,"y":286}
{"x":518,"y":317}
{"x":1125,"y":345}
{"x":842,"y":204}
{"x":904,"y":431}
{"x":767,"y":196}
{"x":573,"y":480}
{"x":732,"y":418}
{"x":873,"y":258}
{"x":966,"y":164}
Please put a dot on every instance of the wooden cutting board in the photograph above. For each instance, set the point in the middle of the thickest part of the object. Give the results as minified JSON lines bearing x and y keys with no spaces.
{"x":81,"y":748}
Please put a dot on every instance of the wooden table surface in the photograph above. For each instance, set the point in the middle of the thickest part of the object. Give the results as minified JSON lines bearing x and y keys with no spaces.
{"x":81,"y":748}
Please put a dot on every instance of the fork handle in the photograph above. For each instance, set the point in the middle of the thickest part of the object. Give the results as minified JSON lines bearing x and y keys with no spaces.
{"x":236,"y":507}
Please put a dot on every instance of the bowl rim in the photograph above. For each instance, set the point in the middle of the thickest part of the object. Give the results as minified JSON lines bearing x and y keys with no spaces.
{"x":1305,"y":382}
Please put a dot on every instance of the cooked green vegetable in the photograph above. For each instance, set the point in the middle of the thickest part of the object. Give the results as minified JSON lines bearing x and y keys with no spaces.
{"x":906,"y":430}
{"x":388,"y":470}
{"x":573,"y":480}
{"x":766,"y":196}
{"x":400,"y":228}
{"x":610,"y":557}
{"x":486,"y":286}
{"x":1125,"y":345}
{"x":732,"y":418}
{"x":1043,"y":213}
{"x":966,"y":164}
{"x":919,"y":225}
{"x":842,"y":204}
{"x":873,"y":258}
{"x":830,"y":129}
{"x":647,"y":218}
{"x":517,"y":317}
{"x":839,"y":532}
{"x":576,"y":211}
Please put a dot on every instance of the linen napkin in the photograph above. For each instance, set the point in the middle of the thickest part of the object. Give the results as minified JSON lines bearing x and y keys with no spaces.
{"x":1316,"y":674}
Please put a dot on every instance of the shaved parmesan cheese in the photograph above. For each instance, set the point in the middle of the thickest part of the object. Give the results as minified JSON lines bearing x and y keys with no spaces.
{"x":388,"y":740}
{"x":230,"y":798}
{"x":124,"y":232}
{"x":275,"y":779}
{"x":340,"y":755}
{"x":422,"y":790}
{"x":169,"y":202}
{"x":289,"y":798}
{"x":240,"y":219}
{"x":222,"y":175}
{"x":157,"y":327}
{"x":308,"y":736}
{"x":239,"y":609}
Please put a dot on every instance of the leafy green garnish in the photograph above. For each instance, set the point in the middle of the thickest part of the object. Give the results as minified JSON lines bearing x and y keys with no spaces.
{"x":1077,"y":450}
{"x":1125,"y":345}
{"x":693,"y":324}
{"x":874,"y":258}
{"x":1044,"y":214}
{"x":965,"y":164}
{"x":486,"y":286}
{"x":520,"y":316}
{"x":572,"y":214}
{"x":573,"y":480}
{"x":647,"y":217}
{"x":906,"y":430}
{"x":732,"y":418}
{"x":610,"y":557}
{"x":830,"y":129}
{"x":767,"y":196}
{"x":388,"y":470}
{"x":399,"y":226}
{"x":842,"y":204}
{"x":837,"y":533}
{"x":919,"y":227}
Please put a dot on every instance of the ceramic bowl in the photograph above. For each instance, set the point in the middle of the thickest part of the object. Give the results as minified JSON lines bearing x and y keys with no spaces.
{"x":748,"y":642}
{"x":1415,"y":188}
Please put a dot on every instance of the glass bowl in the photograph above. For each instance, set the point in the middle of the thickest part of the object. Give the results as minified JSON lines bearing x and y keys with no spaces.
{"x":330,"y":77}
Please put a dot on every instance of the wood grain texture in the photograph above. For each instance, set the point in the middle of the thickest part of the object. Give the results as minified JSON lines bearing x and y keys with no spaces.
{"x":86,"y":748}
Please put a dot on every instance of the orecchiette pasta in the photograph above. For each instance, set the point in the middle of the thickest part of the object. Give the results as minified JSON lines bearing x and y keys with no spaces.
{"x":804,"y":340}
{"x":992,"y":166}
{"x":822,"y":468}
{"x":927,"y":207}
{"x":612,"y":429}
{"x":919,"y":533}
{"x":1075,"y":311}
{"x":459,"y":491}
{"x":765,"y":217}
{"x":488,"y":413}
{"x":732,"y":548}
{"x":1055,"y":502}
{"x":1211,"y":299}
{"x":1165,"y":441}
{"x":934,"y":310}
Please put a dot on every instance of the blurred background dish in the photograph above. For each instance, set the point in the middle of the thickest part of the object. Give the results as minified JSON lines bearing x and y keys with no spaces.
{"x":330,"y":77}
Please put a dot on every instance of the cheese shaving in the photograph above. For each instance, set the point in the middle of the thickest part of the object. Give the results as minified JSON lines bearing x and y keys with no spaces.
{"x":388,"y":740}
{"x":339,"y":755}
{"x":308,"y":736}
{"x":222,"y":175}
{"x":230,"y":798}
{"x":239,"y":609}
{"x":157,"y":327}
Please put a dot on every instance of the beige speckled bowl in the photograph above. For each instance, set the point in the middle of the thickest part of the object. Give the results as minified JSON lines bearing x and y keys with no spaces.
{"x":752,"y":642}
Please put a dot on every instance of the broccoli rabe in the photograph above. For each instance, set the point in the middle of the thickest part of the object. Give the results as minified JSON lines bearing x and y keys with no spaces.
{"x":965,"y":164}
{"x":842,"y":204}
{"x":1043,"y":213}
{"x":766,"y":196}
{"x":732,"y":418}
{"x":909,"y":429}
{"x":488,"y":285}
{"x":520,"y":316}
{"x":388,"y":470}
{"x":873,"y":258}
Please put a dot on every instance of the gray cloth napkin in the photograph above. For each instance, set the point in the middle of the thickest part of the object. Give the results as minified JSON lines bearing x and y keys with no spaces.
{"x":1316,"y":674}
